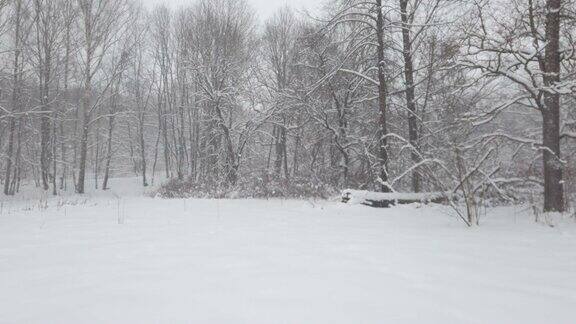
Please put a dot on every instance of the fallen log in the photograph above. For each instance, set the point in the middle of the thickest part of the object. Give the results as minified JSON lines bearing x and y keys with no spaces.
{"x":387,"y":199}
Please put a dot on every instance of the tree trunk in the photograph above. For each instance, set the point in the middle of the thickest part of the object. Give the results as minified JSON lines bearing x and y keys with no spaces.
{"x":278,"y":151}
{"x":54,"y":164}
{"x":9,"y":155}
{"x":553,"y":183}
{"x":86,"y":100}
{"x":96,"y":155}
{"x":142,"y":148}
{"x":10,"y":165}
{"x":45,"y":133}
{"x":108,"y":152}
{"x":65,"y":99}
{"x":410,"y":94}
{"x":84,"y":139}
{"x":164,"y":126}
{"x":382,"y":101}
{"x":231,"y":160}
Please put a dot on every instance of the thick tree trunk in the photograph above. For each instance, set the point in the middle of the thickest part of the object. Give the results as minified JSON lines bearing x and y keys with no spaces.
{"x":553,"y":186}
{"x":553,"y":182}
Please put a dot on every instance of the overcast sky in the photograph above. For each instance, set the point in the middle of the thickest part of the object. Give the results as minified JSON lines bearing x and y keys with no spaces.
{"x":264,"y":8}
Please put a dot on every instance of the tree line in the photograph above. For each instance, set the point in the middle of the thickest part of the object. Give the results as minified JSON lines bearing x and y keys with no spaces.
{"x":473,"y":97}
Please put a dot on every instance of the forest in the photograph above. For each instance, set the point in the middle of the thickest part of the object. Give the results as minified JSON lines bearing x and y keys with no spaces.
{"x":358,"y":161}
{"x":466,"y":97}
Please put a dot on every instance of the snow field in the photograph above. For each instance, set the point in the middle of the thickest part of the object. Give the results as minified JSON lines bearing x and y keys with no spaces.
{"x":135,"y":259}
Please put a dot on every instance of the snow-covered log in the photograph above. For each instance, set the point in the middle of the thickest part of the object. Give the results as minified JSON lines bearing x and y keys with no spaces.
{"x":387,"y":199}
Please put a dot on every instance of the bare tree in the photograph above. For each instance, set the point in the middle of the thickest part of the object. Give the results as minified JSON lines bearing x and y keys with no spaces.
{"x":102,"y":23}
{"x":223,"y":45}
{"x":48,"y":27}
{"x":19,"y":35}
{"x":524,"y":48}
{"x":279,"y":45}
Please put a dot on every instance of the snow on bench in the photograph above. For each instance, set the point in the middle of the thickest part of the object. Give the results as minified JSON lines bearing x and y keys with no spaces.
{"x":387,"y":199}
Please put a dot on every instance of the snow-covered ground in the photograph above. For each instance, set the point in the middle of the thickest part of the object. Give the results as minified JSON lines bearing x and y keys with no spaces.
{"x":121,"y":257}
